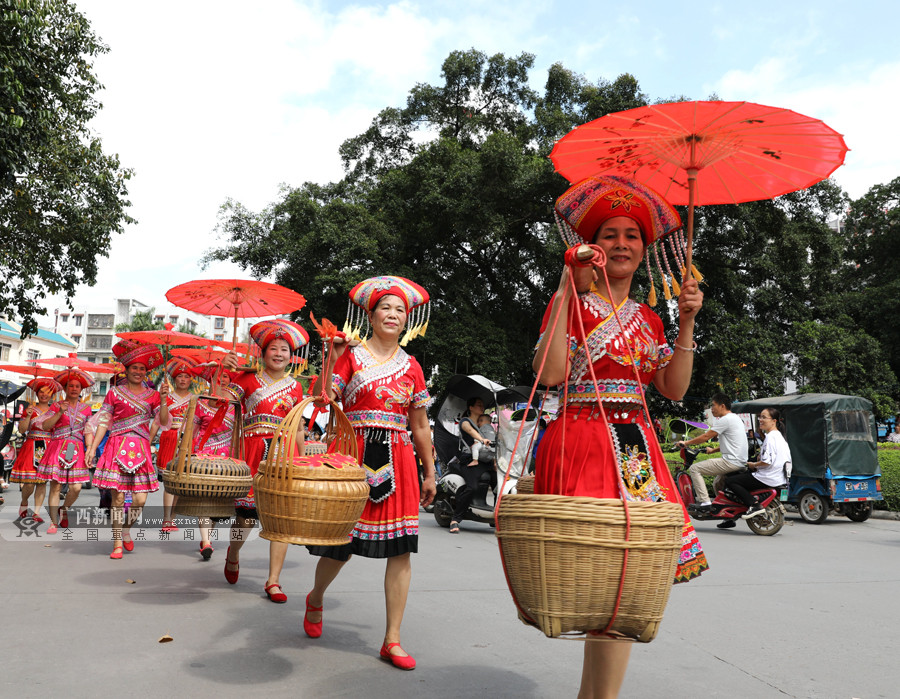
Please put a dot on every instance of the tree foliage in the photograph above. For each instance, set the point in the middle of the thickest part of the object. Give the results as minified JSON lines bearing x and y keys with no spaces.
{"x":454,"y":190}
{"x":61,"y":196}
{"x":140,"y":321}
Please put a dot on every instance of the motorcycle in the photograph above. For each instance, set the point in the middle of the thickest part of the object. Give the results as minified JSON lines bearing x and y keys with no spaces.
{"x":725,"y":506}
{"x":447,"y":443}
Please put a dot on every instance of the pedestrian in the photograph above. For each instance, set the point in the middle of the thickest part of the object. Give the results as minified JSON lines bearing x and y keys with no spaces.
{"x":63,"y":461}
{"x":178,"y":401}
{"x":267,"y":397}
{"x":126,"y":465}
{"x":24,"y":470}
{"x":383,"y":392}
{"x":613,"y":452}
{"x":213,"y":430}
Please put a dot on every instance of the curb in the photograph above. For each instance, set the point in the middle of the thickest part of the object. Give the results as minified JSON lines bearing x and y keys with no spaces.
{"x":885,"y":514}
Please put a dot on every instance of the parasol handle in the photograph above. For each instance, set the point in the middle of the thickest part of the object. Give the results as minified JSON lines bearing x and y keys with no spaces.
{"x":234,"y":332}
{"x":688,"y":253}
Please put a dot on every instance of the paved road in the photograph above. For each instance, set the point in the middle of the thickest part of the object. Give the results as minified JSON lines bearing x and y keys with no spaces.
{"x":812,"y":612}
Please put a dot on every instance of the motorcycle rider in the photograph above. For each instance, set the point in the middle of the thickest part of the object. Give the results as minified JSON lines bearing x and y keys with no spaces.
{"x":469,"y":434}
{"x":729,"y":430}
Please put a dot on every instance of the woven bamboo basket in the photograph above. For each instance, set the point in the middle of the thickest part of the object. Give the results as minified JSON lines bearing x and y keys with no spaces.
{"x":207,"y":485}
{"x":311,"y":499}
{"x":525,"y":485}
{"x":563,"y":559}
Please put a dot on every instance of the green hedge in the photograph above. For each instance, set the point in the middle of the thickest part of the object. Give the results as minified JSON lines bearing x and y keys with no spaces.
{"x":889,"y":460}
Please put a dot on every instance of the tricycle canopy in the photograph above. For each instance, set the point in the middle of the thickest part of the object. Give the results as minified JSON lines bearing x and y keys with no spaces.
{"x":824,"y":430}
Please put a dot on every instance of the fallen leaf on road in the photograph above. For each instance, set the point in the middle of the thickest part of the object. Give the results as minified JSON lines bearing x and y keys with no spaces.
{"x":166,"y":639}
{"x":46,"y":546}
{"x":130,"y":581}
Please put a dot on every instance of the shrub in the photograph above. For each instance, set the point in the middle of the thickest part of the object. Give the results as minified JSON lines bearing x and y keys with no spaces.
{"x":889,"y":460}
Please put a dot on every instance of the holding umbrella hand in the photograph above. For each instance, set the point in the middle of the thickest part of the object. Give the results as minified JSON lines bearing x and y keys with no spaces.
{"x":690,"y":301}
{"x":231,"y":361}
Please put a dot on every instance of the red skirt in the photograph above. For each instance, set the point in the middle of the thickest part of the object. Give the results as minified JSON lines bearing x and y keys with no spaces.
{"x":24,"y":468}
{"x":168,"y":446}
{"x":581,"y":455}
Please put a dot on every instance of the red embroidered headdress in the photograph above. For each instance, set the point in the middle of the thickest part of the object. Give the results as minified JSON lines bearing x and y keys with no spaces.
{"x":74,"y":374}
{"x":41,"y":382}
{"x":131,"y":352}
{"x":265,"y":331}
{"x":180,"y":365}
{"x":365,"y":297}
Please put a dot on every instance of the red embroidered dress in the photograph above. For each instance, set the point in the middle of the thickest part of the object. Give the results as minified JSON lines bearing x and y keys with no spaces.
{"x":377,"y":398}
{"x":126,"y":464}
{"x":623,"y":457}
{"x":63,"y":460}
{"x":25,"y":467}
{"x":266,"y":402}
{"x":168,"y":437}
{"x":219,"y":442}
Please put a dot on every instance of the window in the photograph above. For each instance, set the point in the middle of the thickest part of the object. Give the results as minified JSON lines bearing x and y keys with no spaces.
{"x":99,"y":342}
{"x":173,"y":320}
{"x":219,"y":337}
{"x":33,"y":354}
{"x":101,"y":320}
{"x":102,"y":388}
{"x":64,"y":317}
{"x":78,"y":320}
{"x":159,"y":319}
{"x":220,"y":324}
{"x":4,"y":352}
{"x":76,"y":339}
{"x":851,"y":424}
{"x":192,"y":324}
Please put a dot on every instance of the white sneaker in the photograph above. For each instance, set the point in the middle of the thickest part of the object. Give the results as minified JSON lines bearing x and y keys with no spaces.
{"x":754,"y":511}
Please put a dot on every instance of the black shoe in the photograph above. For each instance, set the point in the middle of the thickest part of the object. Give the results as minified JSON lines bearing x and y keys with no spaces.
{"x":753,"y":511}
{"x":727,"y":524}
{"x":702,"y":509}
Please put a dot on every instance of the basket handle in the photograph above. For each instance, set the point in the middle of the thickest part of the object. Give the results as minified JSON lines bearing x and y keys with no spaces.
{"x":185,"y":435}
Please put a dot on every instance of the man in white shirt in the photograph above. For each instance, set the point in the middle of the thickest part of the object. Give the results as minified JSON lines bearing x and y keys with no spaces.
{"x":729,"y":430}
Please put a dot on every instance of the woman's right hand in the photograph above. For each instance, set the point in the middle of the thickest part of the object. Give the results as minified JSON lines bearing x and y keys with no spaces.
{"x":230,"y":361}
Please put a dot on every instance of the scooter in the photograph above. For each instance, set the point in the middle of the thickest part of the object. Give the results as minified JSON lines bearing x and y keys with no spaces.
{"x":726,"y":507}
{"x":481,"y":509}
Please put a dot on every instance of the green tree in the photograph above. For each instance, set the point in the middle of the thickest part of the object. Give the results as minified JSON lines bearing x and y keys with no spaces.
{"x":872,"y":276}
{"x":455,"y":191}
{"x":838,"y":358}
{"x":61,"y":196}
{"x":141,"y":320}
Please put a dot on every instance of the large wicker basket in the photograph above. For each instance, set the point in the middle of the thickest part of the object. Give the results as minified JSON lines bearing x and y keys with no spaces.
{"x":207,"y":485}
{"x":311,"y":499}
{"x":563,"y":558}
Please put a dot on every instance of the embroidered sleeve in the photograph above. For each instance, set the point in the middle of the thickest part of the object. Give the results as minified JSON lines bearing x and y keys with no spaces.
{"x":343,"y":370}
{"x":420,"y":398}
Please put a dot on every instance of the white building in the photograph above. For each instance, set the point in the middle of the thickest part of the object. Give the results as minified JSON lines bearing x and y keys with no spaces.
{"x":45,"y":344}
{"x":93,"y":328}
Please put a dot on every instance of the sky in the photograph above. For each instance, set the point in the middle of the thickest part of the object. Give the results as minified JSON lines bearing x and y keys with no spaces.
{"x":211,"y":100}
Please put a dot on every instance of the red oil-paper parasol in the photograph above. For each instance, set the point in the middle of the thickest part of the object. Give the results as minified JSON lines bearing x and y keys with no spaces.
{"x":165,"y":338}
{"x":31,"y":370}
{"x":241,"y":298}
{"x":73,"y":362}
{"x":699,"y":153}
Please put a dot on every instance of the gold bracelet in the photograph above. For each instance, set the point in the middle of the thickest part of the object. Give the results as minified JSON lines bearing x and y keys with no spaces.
{"x":686,"y":349}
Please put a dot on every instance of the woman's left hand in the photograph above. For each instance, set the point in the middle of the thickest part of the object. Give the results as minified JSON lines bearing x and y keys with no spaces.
{"x":164,"y":388}
{"x":690,"y":301}
{"x":429,"y":490}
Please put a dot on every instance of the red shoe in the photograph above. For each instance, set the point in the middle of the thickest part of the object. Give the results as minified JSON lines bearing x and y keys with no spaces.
{"x":51,"y":529}
{"x":404,"y":662}
{"x":277,"y":597}
{"x":231,"y":575}
{"x":206,"y":552}
{"x":116,"y":553}
{"x":64,"y":518}
{"x":313,"y":630}
{"x":129,"y":545}
{"x":37,"y":518}
{"x":23,"y":512}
